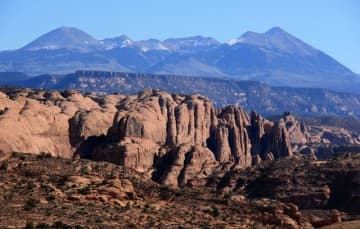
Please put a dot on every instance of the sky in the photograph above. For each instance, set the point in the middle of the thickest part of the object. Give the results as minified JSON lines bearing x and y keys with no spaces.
{"x":329,"y":25}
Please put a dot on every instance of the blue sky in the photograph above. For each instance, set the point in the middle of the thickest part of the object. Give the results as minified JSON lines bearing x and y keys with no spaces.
{"x":331,"y":26}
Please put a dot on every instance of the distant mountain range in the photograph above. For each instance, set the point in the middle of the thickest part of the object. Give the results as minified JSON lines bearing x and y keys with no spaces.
{"x":274,"y":57}
{"x":250,"y":95}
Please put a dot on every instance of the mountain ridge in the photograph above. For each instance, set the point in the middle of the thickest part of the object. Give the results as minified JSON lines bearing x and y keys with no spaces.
{"x":274,"y":57}
{"x":251,"y":95}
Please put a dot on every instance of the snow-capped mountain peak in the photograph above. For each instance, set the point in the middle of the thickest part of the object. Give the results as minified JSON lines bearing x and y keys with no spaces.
{"x":117,"y":42}
{"x":64,"y":38}
{"x":150,"y":44}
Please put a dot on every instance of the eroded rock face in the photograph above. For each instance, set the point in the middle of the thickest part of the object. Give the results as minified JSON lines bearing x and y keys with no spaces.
{"x":174,"y":138}
{"x":308,"y":139}
{"x":298,"y":133}
{"x":270,"y":140}
{"x":35,"y":121}
{"x":177,"y":138}
{"x":310,"y":184}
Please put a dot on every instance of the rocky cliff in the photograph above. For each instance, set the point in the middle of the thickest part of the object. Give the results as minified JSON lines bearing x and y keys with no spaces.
{"x":319,"y":139}
{"x":174,"y":138}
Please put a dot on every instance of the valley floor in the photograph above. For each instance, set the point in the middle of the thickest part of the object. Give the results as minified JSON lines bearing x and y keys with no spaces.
{"x":43,"y":191}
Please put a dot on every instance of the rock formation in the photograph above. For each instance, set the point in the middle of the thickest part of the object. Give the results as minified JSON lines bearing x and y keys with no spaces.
{"x":178,"y":137}
{"x":270,"y":140}
{"x":35,"y":121}
{"x":310,"y":184}
{"x":307,"y":139}
{"x":174,"y":138}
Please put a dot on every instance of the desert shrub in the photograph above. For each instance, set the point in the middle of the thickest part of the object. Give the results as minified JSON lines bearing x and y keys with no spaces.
{"x":30,"y":204}
{"x":60,"y":224}
{"x":78,"y":227}
{"x":30,"y":185}
{"x":150,"y":223}
{"x":4,"y":166}
{"x":83,"y":171}
{"x":99,"y":220}
{"x":3,"y":111}
{"x":45,"y":187}
{"x":44,"y":155}
{"x":14,"y":154}
{"x":147,"y":208}
{"x":228,"y":195}
{"x":212,"y":211}
{"x":29,"y":225}
{"x":50,"y":198}
{"x":84,"y":191}
{"x":131,"y":225}
{"x":43,"y":226}
{"x":60,"y":181}
{"x":205,"y":225}
{"x":53,"y":179}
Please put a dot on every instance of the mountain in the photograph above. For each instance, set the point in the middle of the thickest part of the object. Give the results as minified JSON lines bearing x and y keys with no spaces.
{"x":64,"y":38}
{"x":275,"y":38}
{"x":274,"y":57}
{"x":191,"y":44}
{"x":116,"y":42}
{"x":250,"y":95}
{"x":278,"y":58}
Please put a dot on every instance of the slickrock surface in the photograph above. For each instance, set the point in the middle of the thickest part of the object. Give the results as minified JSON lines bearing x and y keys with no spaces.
{"x":35,"y":121}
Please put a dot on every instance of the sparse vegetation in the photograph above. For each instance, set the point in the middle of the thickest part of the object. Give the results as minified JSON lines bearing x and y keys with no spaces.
{"x":4,"y":166}
{"x":213,"y":211}
{"x":228,"y":195}
{"x":3,"y":111}
{"x":43,"y":226}
{"x":51,"y":203}
{"x":84,"y":191}
{"x":44,"y":155}
{"x":30,"y":204}
{"x":29,"y":225}
{"x":60,"y":224}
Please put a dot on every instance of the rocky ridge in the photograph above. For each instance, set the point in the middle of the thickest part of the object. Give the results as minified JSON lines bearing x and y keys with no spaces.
{"x":319,"y":140}
{"x":274,"y":57}
{"x":249,"y":95}
{"x":173,"y":137}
